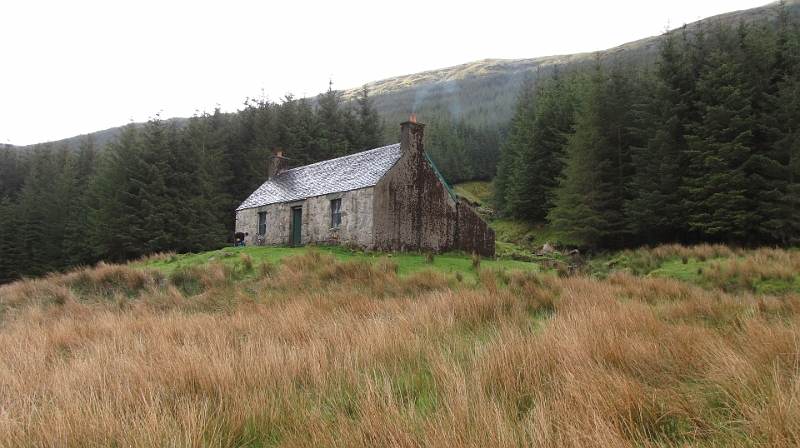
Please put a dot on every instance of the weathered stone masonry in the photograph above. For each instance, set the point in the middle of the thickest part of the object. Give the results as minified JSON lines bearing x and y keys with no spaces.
{"x":356,"y":226}
{"x":414,"y":210}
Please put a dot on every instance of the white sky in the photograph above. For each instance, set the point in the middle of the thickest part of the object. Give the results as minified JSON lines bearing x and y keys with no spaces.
{"x":74,"y":67}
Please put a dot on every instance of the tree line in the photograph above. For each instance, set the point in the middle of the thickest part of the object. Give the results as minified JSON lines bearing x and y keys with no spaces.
{"x":700,"y":146}
{"x":173,"y":185}
{"x":164,"y":186}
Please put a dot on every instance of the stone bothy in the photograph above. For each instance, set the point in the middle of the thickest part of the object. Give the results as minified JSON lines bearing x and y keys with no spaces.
{"x":387,"y":199}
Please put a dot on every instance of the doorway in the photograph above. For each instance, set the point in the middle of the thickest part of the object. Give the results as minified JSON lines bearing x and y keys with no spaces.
{"x":297,"y":223}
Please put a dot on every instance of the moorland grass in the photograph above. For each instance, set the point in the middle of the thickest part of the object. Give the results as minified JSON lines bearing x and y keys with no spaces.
{"x":333,"y":348}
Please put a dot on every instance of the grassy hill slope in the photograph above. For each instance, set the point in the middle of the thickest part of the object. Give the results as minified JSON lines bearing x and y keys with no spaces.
{"x":340,"y":348}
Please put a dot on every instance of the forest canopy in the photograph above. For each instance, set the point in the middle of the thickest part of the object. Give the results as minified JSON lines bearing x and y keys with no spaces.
{"x":701,"y":146}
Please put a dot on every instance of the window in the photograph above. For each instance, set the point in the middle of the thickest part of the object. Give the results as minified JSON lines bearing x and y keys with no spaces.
{"x":262,"y":223}
{"x":336,"y":213}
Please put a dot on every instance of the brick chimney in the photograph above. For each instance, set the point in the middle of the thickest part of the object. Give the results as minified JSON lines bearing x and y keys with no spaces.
{"x":277,"y":165}
{"x":412,"y":135}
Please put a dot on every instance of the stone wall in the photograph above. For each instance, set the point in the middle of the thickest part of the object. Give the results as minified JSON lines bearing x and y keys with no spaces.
{"x":413,"y":209}
{"x":356,"y":225}
{"x":355,"y":228}
{"x":475,"y":236}
{"x":415,"y":212}
{"x":278,"y":220}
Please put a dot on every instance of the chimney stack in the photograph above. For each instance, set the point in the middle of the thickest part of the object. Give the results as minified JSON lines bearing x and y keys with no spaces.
{"x":277,"y":165}
{"x":412,"y":135}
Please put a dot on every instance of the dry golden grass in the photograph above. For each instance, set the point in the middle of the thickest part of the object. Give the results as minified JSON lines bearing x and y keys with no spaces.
{"x":764,"y":264}
{"x":319,"y":352}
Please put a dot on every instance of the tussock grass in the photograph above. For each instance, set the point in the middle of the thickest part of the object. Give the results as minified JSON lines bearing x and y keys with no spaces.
{"x":247,"y":261}
{"x":319,"y":351}
{"x":765,"y":270}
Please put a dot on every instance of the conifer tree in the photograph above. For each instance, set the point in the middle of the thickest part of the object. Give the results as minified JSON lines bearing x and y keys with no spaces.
{"x":157,"y":178}
{"x":588,"y":204}
{"x":539,"y":135}
{"x":43,"y":207}
{"x":780,"y":206}
{"x":482,"y":149}
{"x":12,"y":171}
{"x":334,"y":126}
{"x":720,"y":196}
{"x":513,"y":148}
{"x":251,"y":137}
{"x":653,"y":212}
{"x":78,"y":234}
{"x":115,"y":215}
{"x":206,"y":207}
{"x":447,"y":151}
{"x":369,"y":122}
{"x":10,"y":252}
{"x":297,"y":130}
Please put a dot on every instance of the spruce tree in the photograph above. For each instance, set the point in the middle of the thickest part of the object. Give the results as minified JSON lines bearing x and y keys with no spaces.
{"x":296,"y":131}
{"x":332,"y":141}
{"x":78,"y":235}
{"x":41,"y":211}
{"x":369,"y":121}
{"x":156,"y":177}
{"x":117,"y":225}
{"x":588,"y":203}
{"x":538,"y":139}
{"x":779,"y":207}
{"x":513,"y":148}
{"x":720,"y":195}
{"x":482,"y":149}
{"x":206,"y":207}
{"x":12,"y":171}
{"x":10,"y":250}
{"x":447,"y":150}
{"x":653,"y":211}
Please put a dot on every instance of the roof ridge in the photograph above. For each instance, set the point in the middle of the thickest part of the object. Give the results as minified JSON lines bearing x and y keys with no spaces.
{"x":342,"y":157}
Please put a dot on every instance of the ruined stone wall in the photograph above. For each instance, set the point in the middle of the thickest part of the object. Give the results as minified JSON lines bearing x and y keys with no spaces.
{"x":413,"y":209}
{"x":475,"y":235}
{"x":355,"y":228}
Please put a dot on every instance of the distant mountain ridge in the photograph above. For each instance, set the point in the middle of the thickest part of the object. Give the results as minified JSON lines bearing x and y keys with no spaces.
{"x":491,"y":67}
{"x":484,"y":91}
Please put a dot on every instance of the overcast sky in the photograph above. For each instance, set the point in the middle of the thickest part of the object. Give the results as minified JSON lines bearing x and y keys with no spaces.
{"x":74,"y":67}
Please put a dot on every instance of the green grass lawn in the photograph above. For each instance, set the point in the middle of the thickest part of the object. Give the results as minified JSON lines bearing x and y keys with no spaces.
{"x":449,"y":263}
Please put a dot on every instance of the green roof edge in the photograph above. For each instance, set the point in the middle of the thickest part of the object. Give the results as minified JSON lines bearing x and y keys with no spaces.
{"x":452,"y":195}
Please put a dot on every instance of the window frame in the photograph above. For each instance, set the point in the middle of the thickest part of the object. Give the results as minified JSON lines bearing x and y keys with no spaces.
{"x":336,"y":213}
{"x":262,"y":223}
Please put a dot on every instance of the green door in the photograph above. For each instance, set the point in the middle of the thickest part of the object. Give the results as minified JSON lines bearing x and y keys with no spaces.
{"x":297,"y":222}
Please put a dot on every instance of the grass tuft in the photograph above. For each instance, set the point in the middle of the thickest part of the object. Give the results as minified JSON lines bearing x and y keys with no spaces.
{"x":476,"y":261}
{"x":247,"y":261}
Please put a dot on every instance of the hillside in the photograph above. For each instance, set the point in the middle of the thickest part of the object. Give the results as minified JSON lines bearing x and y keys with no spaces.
{"x":484,"y":92}
{"x":675,"y":346}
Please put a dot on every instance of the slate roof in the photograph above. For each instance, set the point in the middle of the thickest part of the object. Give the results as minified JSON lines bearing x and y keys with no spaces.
{"x":360,"y":170}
